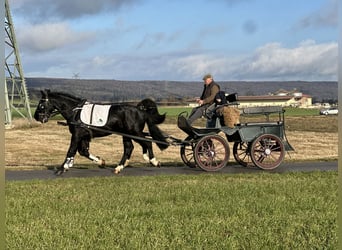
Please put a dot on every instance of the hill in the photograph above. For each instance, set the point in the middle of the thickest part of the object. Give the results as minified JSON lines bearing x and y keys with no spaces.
{"x":120,"y":91}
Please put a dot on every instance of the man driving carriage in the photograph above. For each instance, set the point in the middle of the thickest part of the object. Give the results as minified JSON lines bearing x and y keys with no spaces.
{"x":210,"y":90}
{"x":214,"y":113}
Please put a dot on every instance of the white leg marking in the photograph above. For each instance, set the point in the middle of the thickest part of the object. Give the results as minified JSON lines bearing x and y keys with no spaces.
{"x":97,"y":160}
{"x":126,"y":163}
{"x":146,"y":158}
{"x":69,"y":162}
{"x":155,"y":162}
{"x":118,"y":169}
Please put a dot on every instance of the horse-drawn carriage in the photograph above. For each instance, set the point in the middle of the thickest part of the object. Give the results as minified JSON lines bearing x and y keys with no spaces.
{"x":261,"y":144}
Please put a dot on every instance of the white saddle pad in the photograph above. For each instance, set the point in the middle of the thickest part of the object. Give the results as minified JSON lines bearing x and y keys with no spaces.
{"x":95,"y":114}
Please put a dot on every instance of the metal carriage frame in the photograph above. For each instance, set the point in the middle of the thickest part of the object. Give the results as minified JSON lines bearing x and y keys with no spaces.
{"x":259,"y":144}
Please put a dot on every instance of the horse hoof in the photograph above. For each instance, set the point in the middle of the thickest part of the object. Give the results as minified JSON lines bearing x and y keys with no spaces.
{"x":59,"y":172}
{"x":116,"y":171}
{"x":157,"y":165}
{"x":102,"y":164}
{"x":155,"y":162}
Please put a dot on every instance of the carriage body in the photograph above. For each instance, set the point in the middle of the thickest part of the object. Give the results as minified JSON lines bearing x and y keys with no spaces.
{"x":260,"y":143}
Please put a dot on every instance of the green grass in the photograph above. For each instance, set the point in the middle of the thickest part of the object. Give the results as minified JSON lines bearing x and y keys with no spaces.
{"x":174,"y":111}
{"x":242,"y":211}
{"x":301,"y":112}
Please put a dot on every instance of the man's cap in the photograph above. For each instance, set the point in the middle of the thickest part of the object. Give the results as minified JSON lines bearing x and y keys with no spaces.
{"x":205,"y":77}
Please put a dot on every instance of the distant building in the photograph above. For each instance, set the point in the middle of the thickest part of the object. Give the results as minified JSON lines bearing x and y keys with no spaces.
{"x":193,"y":105}
{"x":280,"y":98}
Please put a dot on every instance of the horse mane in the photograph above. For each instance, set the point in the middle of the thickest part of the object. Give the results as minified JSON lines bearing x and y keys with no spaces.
{"x":67,"y":95}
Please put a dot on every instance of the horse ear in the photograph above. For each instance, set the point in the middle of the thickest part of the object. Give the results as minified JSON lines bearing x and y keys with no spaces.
{"x":45,"y":93}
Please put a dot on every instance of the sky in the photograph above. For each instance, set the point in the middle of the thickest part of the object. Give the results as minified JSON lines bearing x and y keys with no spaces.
{"x":179,"y":40}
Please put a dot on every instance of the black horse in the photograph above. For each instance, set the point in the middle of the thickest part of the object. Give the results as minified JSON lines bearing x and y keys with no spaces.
{"x":125,"y":119}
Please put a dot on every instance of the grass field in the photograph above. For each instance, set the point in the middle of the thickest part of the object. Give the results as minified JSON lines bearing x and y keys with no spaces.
{"x":174,"y":111}
{"x":245,"y":211}
{"x":262,"y":211}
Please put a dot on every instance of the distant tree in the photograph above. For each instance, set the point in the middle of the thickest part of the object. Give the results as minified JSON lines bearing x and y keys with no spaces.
{"x":249,"y":93}
{"x":330,"y":101}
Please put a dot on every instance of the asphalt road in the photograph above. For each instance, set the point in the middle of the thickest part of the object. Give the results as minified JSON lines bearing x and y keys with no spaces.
{"x":17,"y":175}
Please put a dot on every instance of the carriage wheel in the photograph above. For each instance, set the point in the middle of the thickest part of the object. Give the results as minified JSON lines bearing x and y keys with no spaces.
{"x":241,"y":152}
{"x":187,"y":153}
{"x":211,"y":153}
{"x":267,"y":151}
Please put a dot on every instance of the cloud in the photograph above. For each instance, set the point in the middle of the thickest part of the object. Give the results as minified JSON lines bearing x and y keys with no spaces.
{"x":307,"y":61}
{"x":233,"y":2}
{"x":49,"y":36}
{"x":152,"y":40}
{"x":38,"y":10}
{"x":249,"y":27}
{"x":326,"y":16}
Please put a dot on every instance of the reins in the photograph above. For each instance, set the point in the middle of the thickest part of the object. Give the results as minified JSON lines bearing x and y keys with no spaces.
{"x":174,"y":142}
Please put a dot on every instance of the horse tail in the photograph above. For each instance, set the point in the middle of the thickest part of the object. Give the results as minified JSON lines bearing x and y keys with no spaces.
{"x":156,"y":133}
{"x":150,"y":107}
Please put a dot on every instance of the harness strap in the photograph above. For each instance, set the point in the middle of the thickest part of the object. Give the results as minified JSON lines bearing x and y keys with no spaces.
{"x":117,"y":133}
{"x":91,"y":114}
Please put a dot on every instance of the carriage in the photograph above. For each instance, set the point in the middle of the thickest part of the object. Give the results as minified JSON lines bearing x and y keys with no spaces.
{"x":260,"y":144}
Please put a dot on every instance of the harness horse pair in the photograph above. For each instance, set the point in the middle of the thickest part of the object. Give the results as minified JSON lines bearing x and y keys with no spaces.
{"x":125,"y":119}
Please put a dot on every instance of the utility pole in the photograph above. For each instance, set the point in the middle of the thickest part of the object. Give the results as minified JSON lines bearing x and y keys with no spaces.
{"x":16,"y":96}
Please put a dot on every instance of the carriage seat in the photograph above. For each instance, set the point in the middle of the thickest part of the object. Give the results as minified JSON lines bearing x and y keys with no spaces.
{"x":194,"y":132}
{"x":214,"y":113}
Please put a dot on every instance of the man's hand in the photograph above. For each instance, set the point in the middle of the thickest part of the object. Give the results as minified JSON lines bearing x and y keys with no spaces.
{"x":199,"y":101}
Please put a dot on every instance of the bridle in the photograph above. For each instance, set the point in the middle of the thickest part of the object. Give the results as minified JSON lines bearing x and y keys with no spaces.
{"x":44,"y":115}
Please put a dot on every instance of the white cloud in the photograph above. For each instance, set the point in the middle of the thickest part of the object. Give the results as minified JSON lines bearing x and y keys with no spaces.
{"x":327,"y":15}
{"x":309,"y":60}
{"x":49,"y":36}
{"x":42,"y":10}
{"x":272,"y":61}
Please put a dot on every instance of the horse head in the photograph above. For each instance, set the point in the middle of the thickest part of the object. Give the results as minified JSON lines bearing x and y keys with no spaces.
{"x":53,"y":103}
{"x":45,"y":108}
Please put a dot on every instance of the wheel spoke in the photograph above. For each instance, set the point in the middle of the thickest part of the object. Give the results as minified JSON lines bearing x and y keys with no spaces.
{"x":187,"y":153}
{"x":211,"y":153}
{"x":267,"y":151}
